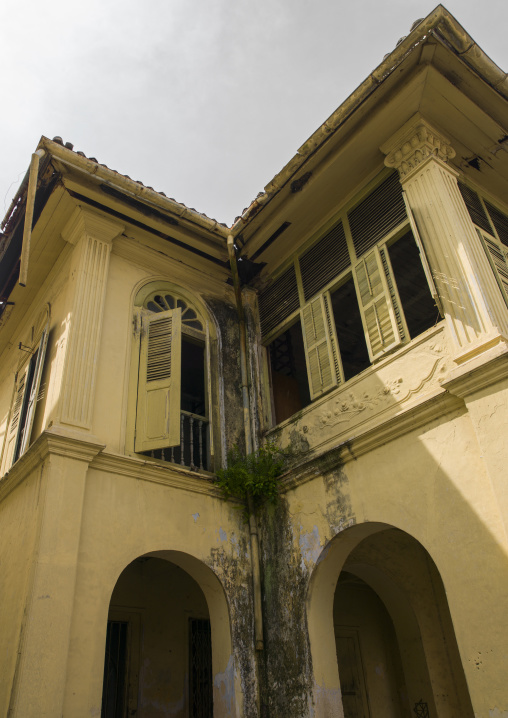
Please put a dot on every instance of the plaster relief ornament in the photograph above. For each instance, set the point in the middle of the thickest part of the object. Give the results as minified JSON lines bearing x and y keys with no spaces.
{"x":394,"y":391}
{"x":415,"y":145}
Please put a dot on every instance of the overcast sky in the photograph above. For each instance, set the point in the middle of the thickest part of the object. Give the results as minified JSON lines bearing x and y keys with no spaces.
{"x":205,"y":100}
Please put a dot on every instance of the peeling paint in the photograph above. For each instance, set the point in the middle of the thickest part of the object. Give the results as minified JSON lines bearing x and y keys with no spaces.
{"x":286,"y":682}
{"x":234,"y":572}
{"x":195,"y":517}
{"x":310,"y":546}
{"x":224,"y":690}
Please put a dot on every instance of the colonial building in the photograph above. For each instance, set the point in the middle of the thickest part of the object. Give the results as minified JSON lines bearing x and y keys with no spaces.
{"x":356,"y":311}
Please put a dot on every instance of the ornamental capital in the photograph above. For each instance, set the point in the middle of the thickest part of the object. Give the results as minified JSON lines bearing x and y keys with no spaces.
{"x":85,"y":222}
{"x":413,"y":144}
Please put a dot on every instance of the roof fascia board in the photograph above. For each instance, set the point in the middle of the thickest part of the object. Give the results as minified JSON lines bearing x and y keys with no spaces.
{"x":133,"y":188}
{"x":179,"y":233}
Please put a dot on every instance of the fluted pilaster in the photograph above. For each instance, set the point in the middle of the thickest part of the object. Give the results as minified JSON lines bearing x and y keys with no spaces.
{"x":92,"y":236}
{"x":473,"y":306}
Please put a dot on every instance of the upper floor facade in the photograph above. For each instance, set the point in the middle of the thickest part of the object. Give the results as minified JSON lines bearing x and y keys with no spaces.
{"x":373,"y":270}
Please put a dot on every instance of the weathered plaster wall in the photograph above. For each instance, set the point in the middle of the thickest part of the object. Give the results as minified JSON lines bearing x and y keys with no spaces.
{"x":18,"y":533}
{"x":112,"y":400}
{"x":53,"y":292}
{"x":432,"y":484}
{"x":127,"y":516}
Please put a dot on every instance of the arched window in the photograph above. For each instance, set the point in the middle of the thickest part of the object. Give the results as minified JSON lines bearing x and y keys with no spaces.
{"x":173,"y":388}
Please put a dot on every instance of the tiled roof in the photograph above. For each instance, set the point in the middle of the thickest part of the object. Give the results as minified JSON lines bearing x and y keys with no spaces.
{"x":70,"y":146}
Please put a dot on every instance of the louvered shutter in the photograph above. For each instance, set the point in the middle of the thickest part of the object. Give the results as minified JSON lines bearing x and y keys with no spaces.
{"x":33,"y":389}
{"x":500,"y":222}
{"x":14,"y":423}
{"x":379,"y":306}
{"x":324,"y":261}
{"x":278,"y":301}
{"x":475,"y":207}
{"x":377,"y":215}
{"x":497,"y":259}
{"x":158,"y":408}
{"x":423,"y":256}
{"x":320,"y":349}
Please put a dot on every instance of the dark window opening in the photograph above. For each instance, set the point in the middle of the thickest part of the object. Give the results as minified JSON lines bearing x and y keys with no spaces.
{"x":200,"y":668}
{"x":350,"y":335}
{"x":194,"y":447}
{"x":24,"y":408}
{"x":115,"y":666}
{"x":417,"y":303}
{"x":193,"y":377}
{"x":290,"y":385}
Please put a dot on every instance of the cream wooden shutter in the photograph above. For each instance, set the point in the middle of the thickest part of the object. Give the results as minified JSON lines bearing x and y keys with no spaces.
{"x":28,"y":382}
{"x":381,"y":315}
{"x":320,"y":349}
{"x":26,"y":429}
{"x":498,"y":262}
{"x":158,"y":408}
{"x":14,"y":424}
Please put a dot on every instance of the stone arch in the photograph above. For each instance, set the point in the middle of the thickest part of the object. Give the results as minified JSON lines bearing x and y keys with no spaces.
{"x":404,"y":578}
{"x":226,"y":695}
{"x":148,"y":286}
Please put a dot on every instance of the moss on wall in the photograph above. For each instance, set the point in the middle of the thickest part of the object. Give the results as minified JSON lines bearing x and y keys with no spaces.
{"x":286,"y":672}
{"x":229,"y":367}
{"x":234,"y":572}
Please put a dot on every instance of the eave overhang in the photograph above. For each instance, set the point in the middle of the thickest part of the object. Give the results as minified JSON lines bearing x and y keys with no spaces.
{"x":435,"y":42}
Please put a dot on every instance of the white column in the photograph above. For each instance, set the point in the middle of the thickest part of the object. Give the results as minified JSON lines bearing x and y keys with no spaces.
{"x":92,"y":236}
{"x":473,"y":306}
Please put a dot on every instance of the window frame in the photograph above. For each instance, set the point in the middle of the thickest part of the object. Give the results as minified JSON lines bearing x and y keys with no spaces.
{"x":209,"y":339}
{"x":491,"y":237}
{"x":401,"y":334}
{"x":26,"y":397}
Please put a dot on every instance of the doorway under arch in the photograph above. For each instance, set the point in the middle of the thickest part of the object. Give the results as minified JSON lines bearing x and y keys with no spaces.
{"x":392,"y":651}
{"x":160,"y":657}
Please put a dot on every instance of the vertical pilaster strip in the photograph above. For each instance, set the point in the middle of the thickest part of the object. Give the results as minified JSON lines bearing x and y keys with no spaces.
{"x":43,"y":652}
{"x":472,"y":303}
{"x":92,"y":236}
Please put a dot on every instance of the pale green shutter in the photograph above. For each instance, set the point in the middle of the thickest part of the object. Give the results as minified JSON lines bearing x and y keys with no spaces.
{"x":497,"y":259}
{"x":322,"y":359}
{"x":26,"y":429}
{"x":381,"y":315}
{"x":158,"y":408}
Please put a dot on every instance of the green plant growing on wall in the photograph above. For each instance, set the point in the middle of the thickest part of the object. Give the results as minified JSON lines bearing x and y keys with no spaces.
{"x":253,"y":477}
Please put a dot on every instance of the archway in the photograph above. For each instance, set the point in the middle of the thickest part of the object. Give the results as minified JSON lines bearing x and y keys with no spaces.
{"x":392,"y":651}
{"x":168,"y":647}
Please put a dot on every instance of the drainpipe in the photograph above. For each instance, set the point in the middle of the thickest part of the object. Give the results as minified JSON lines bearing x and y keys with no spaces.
{"x":29,"y":213}
{"x":253,"y":526}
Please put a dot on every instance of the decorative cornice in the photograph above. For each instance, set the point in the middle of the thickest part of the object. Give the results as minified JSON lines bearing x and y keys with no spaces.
{"x":167,"y":474}
{"x":53,"y":442}
{"x":80,"y":446}
{"x":334,"y":457}
{"x":479,"y":373}
{"x":415,"y":143}
{"x":86,"y":222}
